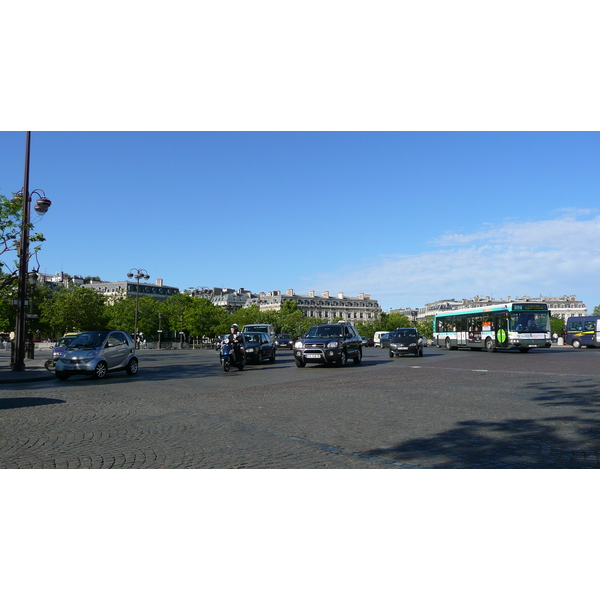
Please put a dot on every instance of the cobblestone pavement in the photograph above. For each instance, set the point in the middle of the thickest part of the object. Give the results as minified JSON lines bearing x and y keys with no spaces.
{"x":458,"y":409}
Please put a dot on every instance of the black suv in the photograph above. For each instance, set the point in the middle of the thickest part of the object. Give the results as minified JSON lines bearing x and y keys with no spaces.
{"x":329,"y":344}
{"x":406,"y":341}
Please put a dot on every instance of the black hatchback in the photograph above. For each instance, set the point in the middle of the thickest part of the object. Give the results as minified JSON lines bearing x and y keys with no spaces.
{"x":406,"y":341}
{"x":259,"y":346}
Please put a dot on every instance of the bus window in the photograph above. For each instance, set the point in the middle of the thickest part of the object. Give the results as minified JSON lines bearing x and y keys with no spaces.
{"x":589,"y":326}
{"x":575,"y":326}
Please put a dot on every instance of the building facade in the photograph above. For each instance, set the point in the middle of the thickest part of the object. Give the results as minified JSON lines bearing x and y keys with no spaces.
{"x":228,"y":298}
{"x":562,"y":307}
{"x":119,"y":289}
{"x":325,"y":306}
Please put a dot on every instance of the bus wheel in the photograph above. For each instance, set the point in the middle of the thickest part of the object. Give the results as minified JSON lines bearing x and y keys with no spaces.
{"x":576,"y":344}
{"x":448,"y":344}
{"x":489,"y":345}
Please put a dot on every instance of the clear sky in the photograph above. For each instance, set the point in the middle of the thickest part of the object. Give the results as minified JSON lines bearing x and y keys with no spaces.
{"x":409,"y":217}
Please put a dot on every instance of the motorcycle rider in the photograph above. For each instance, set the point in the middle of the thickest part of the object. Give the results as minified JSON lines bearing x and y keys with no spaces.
{"x":236,"y":339}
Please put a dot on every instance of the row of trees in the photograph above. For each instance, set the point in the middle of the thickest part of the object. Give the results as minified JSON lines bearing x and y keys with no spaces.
{"x":78,"y":308}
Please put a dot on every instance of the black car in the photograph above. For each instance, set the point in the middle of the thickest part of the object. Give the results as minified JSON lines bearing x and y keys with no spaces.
{"x":406,"y":341}
{"x":284,"y":340}
{"x":329,"y":344}
{"x":258,"y":347}
{"x":385,"y":339}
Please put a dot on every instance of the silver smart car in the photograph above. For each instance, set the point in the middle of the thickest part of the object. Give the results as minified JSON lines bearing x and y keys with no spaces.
{"x":96,"y":353}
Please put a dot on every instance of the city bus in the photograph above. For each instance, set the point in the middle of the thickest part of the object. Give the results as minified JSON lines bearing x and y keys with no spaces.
{"x":514,"y":325}
{"x":583,"y":331}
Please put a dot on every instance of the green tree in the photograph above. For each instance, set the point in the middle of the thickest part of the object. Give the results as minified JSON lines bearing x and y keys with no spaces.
{"x":394,"y":321}
{"x":121,"y":315}
{"x":74,"y":309}
{"x":204,"y":319}
{"x":557,"y":325}
{"x":425,"y":327}
{"x":175,"y":312}
{"x":245,"y":316}
{"x":596,"y":310}
{"x":11,"y":211}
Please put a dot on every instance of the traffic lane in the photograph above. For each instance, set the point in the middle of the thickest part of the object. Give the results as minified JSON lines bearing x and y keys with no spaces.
{"x":539,"y":409}
{"x":543,"y":417}
{"x":442,"y":413}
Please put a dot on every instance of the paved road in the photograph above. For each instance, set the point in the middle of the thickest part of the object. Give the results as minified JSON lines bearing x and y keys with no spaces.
{"x":457,"y":409}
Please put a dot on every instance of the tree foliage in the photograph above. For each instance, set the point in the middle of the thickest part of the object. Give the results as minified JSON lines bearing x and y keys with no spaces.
{"x":11,"y":211}
{"x":75,"y":309}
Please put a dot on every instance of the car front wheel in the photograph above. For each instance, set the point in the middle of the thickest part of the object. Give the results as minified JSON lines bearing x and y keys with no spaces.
{"x":132,"y":366}
{"x":100,"y":370}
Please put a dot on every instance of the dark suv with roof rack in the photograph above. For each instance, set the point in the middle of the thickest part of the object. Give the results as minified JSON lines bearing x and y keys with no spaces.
{"x":334,"y":343}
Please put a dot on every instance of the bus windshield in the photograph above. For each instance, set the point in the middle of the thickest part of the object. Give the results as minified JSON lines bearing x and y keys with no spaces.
{"x":529,"y":322}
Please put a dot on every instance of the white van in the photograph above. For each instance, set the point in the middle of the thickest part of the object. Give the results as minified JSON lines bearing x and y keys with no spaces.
{"x":377,"y":338}
{"x":260,"y":328}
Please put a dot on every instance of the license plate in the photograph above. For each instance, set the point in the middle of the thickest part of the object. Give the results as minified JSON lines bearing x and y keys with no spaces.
{"x":313,"y":356}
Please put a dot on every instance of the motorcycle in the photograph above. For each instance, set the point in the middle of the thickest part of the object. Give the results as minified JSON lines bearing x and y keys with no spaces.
{"x":227,"y":356}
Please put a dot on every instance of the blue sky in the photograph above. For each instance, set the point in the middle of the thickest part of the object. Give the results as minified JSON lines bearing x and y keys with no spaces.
{"x":410,"y":217}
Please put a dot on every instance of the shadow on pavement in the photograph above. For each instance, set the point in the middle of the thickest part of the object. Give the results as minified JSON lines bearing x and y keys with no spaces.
{"x":571,"y":441}
{"x":9,"y":403}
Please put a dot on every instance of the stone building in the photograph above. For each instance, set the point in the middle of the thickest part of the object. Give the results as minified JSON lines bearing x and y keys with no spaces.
{"x":325,"y":306}
{"x":116,"y":289}
{"x":228,"y":298}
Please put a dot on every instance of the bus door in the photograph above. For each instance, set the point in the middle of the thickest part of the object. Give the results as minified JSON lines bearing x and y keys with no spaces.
{"x":501,"y":328}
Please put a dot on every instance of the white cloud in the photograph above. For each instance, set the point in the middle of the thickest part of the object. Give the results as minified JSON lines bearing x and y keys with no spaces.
{"x":551,"y":257}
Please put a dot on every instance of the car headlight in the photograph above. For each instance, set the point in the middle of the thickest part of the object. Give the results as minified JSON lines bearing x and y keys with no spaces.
{"x":298,"y":345}
{"x":333,"y":345}
{"x":411,"y":345}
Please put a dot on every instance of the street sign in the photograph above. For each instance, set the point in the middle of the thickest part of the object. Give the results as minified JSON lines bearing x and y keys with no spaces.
{"x":32,"y":316}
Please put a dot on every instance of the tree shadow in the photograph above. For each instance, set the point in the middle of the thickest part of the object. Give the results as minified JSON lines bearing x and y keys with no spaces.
{"x":570,"y":441}
{"x":8,"y":403}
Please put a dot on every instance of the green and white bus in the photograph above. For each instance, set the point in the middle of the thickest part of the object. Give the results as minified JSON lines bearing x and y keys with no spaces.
{"x":514,"y":325}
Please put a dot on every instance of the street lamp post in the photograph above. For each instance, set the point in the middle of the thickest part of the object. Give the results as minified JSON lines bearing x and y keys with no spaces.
{"x":159,"y":328}
{"x":41,"y":207}
{"x":137,"y":274}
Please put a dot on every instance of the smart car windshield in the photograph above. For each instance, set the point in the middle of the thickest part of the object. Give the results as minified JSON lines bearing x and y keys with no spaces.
{"x":325,"y":332}
{"x":89,"y":339}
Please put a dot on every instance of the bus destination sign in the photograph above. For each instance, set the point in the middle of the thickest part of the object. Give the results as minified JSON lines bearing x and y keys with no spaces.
{"x":536,"y":307}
